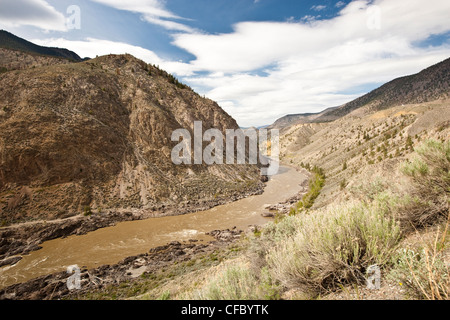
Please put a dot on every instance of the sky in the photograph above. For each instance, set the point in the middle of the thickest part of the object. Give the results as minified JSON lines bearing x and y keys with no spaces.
{"x":259,"y":59}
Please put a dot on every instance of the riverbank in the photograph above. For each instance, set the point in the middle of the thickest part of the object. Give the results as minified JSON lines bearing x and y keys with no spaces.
{"x":130,"y":270}
{"x":86,"y":247}
{"x":21,"y":239}
{"x":135,"y":275}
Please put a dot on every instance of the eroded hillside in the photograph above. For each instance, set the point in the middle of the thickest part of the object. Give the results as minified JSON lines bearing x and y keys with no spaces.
{"x":363,"y":144}
{"x":92,"y":136}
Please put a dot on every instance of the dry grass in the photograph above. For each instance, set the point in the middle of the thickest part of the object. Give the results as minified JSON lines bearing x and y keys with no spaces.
{"x":425,"y":272}
{"x":237,"y":281}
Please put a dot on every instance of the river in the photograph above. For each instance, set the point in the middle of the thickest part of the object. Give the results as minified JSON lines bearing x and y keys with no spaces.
{"x":112,"y":244}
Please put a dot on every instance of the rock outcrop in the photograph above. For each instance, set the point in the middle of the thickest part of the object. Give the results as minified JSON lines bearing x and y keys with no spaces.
{"x":86,"y":137}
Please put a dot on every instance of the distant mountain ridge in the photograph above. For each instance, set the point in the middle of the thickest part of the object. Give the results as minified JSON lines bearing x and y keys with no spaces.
{"x":428,"y":85}
{"x":12,"y":42}
{"x":293,"y":119}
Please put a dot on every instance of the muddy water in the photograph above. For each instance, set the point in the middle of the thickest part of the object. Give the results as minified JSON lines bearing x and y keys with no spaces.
{"x":112,"y":244}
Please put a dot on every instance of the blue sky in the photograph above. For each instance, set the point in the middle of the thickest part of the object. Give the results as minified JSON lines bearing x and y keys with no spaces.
{"x":259,"y":59}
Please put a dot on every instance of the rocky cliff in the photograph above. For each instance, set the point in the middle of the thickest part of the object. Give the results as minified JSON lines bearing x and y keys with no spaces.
{"x":94,"y":136}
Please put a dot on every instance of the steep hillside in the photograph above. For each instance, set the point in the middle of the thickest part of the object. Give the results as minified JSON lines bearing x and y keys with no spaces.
{"x":18,"y":60}
{"x":357,"y":147}
{"x":96,"y":135}
{"x":373,"y":131}
{"x":381,"y":125}
{"x":12,"y":42}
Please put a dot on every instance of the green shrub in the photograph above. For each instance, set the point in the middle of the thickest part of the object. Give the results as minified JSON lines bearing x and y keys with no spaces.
{"x":409,"y":144}
{"x":87,"y":211}
{"x":429,"y":187}
{"x":316,"y":184}
{"x":282,"y":229}
{"x":164,"y":296}
{"x":368,"y":191}
{"x":343,"y":184}
{"x":277,"y":231}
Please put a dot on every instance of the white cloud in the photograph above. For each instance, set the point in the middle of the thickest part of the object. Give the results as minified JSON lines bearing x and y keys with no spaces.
{"x":309,"y":65}
{"x":37,"y":13}
{"x":339,"y":4}
{"x":169,"y":25}
{"x":150,"y":7}
{"x":264,"y":70}
{"x":91,"y":47}
{"x":318,"y":7}
{"x":309,"y":19}
{"x":153,"y":11}
{"x":256,"y":100}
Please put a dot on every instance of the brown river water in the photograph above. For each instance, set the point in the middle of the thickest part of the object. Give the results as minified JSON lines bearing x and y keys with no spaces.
{"x":111,"y":245}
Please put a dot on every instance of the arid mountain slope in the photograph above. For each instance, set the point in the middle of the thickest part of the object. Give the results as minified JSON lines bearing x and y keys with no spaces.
{"x":294,"y":119}
{"x":430,"y":84}
{"x":371,"y":134}
{"x":357,"y":147}
{"x":12,"y":42}
{"x":19,"y":60}
{"x":96,"y":135}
